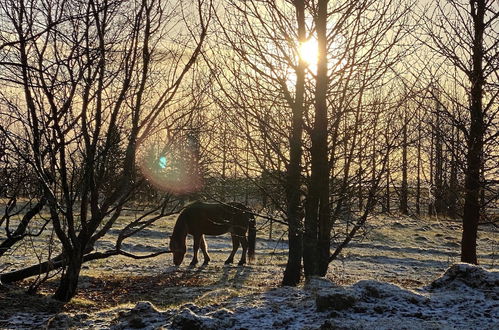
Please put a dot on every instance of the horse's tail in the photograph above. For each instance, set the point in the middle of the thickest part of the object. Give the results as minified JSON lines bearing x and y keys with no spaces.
{"x":251,"y":239}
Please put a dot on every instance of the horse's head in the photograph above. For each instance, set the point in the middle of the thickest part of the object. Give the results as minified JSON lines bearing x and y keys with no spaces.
{"x":178,"y":247}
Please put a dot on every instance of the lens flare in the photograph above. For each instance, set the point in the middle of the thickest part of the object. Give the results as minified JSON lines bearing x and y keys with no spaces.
{"x":174,"y":168}
{"x":162,"y":162}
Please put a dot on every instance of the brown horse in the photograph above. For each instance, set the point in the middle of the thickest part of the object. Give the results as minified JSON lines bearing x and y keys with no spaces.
{"x":199,"y":218}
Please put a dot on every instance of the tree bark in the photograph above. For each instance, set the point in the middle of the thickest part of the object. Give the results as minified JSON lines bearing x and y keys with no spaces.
{"x":317,"y":219}
{"x":439,"y":207}
{"x":475,"y":139}
{"x":47,"y":266}
{"x":360,"y":197}
{"x":453,"y":183}
{"x":386,"y":205}
{"x":431,"y":204}
{"x":68,"y":284}
{"x":404,"y":187}
{"x":292,"y":273}
{"x":419,"y":161}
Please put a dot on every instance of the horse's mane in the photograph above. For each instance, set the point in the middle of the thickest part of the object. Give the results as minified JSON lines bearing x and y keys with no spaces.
{"x":181,"y":225}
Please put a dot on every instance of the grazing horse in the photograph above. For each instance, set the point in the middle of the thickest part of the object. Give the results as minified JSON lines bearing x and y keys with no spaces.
{"x":199,"y":218}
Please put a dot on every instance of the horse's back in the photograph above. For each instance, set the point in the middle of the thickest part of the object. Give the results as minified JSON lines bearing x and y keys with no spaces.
{"x":206,"y":218}
{"x":214,"y":218}
{"x":202,"y":209}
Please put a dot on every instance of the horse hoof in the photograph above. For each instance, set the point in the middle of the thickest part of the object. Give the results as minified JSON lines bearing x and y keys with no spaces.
{"x":241,"y":263}
{"x":206,"y":262}
{"x":228,"y":262}
{"x":193,"y":263}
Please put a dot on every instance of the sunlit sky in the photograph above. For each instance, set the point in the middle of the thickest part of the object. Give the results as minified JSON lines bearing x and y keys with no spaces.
{"x":309,"y":51}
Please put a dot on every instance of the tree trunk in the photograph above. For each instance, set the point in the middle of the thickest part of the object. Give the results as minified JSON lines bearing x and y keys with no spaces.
{"x":292,"y":273}
{"x":321,"y":105}
{"x":404,"y":186}
{"x":418,"y":179}
{"x":431,"y":204}
{"x":439,"y":166}
{"x":317,"y":219}
{"x":373,"y":160}
{"x":360,"y":197}
{"x":223,"y":188}
{"x":44,"y":267}
{"x":69,"y":279}
{"x":386,"y":205}
{"x":475,"y":139}
{"x":453,"y":186}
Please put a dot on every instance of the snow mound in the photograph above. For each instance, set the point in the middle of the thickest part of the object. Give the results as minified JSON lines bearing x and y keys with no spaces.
{"x":316,"y":285}
{"x":60,"y":321}
{"x":187,"y":318}
{"x":370,"y":290}
{"x":471,"y":276}
{"x":338,"y":299}
{"x":371,"y":301}
{"x":465,"y":297}
{"x":143,"y":316}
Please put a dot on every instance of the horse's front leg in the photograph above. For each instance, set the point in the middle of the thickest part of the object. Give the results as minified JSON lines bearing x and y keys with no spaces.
{"x":204,"y":248}
{"x":197,"y":240}
{"x":235,"y":246}
{"x":244,"y":244}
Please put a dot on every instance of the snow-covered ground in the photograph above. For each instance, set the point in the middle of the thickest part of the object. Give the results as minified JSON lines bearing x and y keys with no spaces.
{"x":403,"y":275}
{"x":465,"y":297}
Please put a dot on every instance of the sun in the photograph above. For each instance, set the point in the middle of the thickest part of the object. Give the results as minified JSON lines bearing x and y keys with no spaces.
{"x":309,"y":51}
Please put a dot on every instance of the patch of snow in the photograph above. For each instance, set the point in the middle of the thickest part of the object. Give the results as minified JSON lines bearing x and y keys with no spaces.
{"x":23,"y":320}
{"x":60,"y":321}
{"x":143,"y":315}
{"x":461,"y":298}
{"x":462,"y":275}
{"x":464,"y":297}
{"x":190,"y":317}
{"x":316,"y":284}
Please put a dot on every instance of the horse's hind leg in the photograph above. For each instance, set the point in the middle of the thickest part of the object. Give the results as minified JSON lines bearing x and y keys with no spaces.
{"x":197,"y":239}
{"x":204,"y":248}
{"x":244,"y":244}
{"x":235,"y":246}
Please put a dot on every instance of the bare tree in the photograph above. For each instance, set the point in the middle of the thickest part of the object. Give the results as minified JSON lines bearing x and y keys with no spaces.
{"x":102,"y":81}
{"x":293,"y":179}
{"x":22,"y":197}
{"x":259,"y":79}
{"x":464,"y":38}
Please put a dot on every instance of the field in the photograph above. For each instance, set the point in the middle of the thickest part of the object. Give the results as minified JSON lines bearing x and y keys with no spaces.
{"x":387,"y":277}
